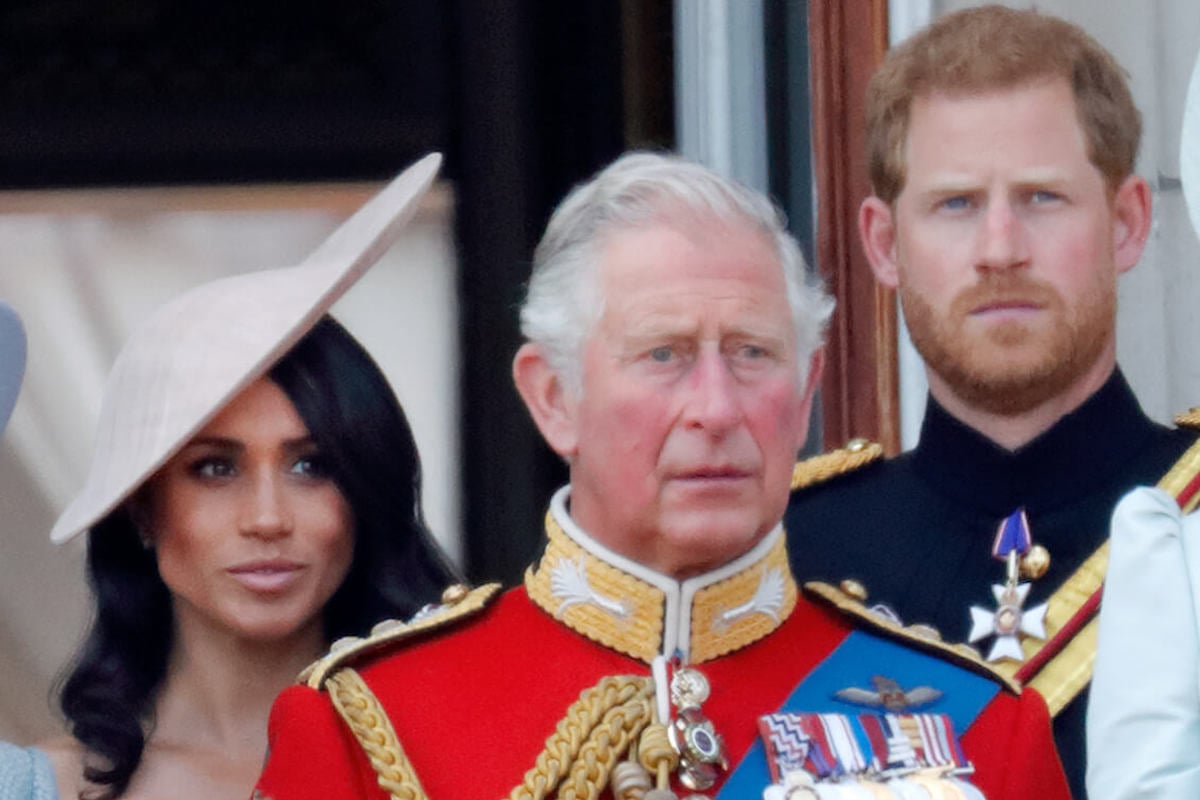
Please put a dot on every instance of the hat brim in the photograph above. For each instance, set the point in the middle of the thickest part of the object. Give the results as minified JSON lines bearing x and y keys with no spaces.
{"x":184,"y":364}
{"x":12,"y":360}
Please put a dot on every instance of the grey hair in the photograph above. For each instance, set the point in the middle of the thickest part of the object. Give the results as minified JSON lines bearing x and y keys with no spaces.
{"x":564,"y":298}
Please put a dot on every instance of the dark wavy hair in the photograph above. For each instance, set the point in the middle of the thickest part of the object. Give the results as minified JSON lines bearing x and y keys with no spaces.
{"x":108,"y":697}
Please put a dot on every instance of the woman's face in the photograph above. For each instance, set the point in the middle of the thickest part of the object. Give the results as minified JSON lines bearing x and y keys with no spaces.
{"x":252,"y":536}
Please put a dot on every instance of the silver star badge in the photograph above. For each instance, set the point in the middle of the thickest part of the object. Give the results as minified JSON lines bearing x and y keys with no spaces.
{"x":1009,"y":622}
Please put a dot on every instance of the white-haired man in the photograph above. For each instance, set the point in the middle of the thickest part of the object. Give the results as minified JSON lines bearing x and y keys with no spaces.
{"x":674,"y":343}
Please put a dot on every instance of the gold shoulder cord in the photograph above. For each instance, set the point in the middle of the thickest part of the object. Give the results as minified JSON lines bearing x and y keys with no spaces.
{"x":362,"y":712}
{"x":598,"y":729}
{"x":818,"y":469}
{"x":580,"y":755}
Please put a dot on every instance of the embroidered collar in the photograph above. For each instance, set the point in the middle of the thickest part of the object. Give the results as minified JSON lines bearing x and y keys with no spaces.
{"x":632,"y":609}
{"x":1091,"y":444}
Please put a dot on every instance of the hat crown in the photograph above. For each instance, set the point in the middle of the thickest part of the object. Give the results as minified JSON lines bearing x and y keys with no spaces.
{"x":193,"y":355}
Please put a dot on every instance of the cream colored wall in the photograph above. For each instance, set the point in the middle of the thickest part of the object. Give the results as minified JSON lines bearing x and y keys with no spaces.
{"x":81,"y":267}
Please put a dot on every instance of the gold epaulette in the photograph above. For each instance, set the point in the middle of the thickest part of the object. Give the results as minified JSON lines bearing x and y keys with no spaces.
{"x":849,"y":600}
{"x":1189,"y":419}
{"x":818,"y":469}
{"x":458,"y":603}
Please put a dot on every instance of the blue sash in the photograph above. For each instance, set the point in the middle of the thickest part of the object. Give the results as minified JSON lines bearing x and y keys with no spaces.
{"x":853,"y":663}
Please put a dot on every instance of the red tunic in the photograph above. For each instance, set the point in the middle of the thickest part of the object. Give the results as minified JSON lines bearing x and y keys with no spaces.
{"x":473,"y":706}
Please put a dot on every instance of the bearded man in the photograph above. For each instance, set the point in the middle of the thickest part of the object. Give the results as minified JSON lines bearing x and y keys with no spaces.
{"x":1004,"y":207}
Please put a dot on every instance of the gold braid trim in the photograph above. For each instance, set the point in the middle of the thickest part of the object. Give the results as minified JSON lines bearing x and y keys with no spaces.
{"x":919,"y":637}
{"x":359,"y":707}
{"x":458,"y":604}
{"x":1189,"y":419}
{"x":818,"y":469}
{"x":587,"y":742}
{"x":1180,"y":475}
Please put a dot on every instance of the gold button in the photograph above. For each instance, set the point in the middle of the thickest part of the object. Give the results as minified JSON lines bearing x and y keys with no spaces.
{"x":926,"y":632}
{"x":1035,"y":563}
{"x":855,"y":590}
{"x":454,"y":594}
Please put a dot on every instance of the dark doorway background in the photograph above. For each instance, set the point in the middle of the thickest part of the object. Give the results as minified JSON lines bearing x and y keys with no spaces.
{"x":524,"y":97}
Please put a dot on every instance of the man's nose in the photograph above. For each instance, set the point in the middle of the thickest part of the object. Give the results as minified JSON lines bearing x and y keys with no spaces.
{"x":265,"y":511}
{"x":712,"y":403}
{"x":1002,"y":243}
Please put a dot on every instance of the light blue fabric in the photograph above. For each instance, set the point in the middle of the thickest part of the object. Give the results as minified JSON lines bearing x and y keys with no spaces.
{"x":1143,"y":724}
{"x":25,"y":774}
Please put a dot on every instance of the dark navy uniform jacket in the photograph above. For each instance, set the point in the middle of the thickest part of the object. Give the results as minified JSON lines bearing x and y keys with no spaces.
{"x":917,"y":530}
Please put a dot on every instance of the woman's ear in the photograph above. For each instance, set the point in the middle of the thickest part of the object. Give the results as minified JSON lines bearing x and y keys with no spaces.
{"x":549,"y":402}
{"x":141,"y":514}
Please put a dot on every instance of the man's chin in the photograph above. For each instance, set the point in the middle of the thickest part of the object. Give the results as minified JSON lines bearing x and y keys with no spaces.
{"x":697,"y":542}
{"x":1015,"y":388}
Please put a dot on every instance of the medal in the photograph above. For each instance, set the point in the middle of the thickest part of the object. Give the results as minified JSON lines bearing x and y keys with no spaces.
{"x":1010,"y":621}
{"x":701,"y":749}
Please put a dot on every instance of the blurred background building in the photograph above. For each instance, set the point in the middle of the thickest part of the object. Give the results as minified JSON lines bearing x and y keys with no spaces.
{"x":147,"y":146}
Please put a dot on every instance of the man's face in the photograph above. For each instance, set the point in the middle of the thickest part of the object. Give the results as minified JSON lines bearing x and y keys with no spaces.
{"x":1006,"y":245}
{"x":692,"y":408}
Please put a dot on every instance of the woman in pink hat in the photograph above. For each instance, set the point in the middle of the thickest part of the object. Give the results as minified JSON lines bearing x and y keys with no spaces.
{"x":254,"y":496}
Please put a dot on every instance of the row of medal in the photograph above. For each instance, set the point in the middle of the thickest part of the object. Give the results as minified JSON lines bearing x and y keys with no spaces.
{"x":906,"y":756}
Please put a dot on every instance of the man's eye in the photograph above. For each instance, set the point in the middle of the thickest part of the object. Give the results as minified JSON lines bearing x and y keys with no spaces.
{"x":212,"y":468}
{"x":662,"y":354}
{"x":754,"y":351}
{"x":1043,"y":196}
{"x":956,"y":203}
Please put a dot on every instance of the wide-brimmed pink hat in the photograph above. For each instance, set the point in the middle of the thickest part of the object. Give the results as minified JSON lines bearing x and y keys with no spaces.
{"x":12,"y":360}
{"x":196,"y":353}
{"x":1189,"y":148}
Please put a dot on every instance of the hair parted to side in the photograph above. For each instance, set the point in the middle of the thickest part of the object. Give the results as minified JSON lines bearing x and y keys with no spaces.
{"x":995,"y":48}
{"x":564,"y":298}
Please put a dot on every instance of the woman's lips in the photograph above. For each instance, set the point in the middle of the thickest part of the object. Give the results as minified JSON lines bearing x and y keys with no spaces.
{"x":268,"y":577}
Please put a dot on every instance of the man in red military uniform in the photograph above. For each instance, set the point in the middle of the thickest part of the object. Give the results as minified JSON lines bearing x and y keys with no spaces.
{"x":660,"y":647}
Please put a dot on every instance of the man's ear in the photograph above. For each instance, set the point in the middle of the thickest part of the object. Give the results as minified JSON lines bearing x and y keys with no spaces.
{"x":1131,"y":206}
{"x":816,"y":368}
{"x":549,"y":402}
{"x":877,"y":227}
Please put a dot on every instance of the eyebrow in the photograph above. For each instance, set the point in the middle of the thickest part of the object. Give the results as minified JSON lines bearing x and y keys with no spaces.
{"x":958,"y":183}
{"x":228,"y":443}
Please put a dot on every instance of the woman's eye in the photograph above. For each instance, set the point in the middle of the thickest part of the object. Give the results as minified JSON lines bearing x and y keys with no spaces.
{"x":311,"y":466}
{"x":212,"y":468}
